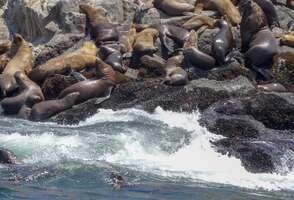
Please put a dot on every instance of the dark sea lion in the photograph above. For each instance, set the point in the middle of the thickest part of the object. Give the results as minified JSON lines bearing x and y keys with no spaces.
{"x":46,"y":109}
{"x":93,"y":88}
{"x":154,"y":64}
{"x":30,"y":94}
{"x":77,"y":60}
{"x":102,"y":30}
{"x":175,"y":74}
{"x":178,"y":34}
{"x":112,"y":56}
{"x":196,"y":58}
{"x":262,"y":49}
{"x":7,"y":157}
{"x":270,"y":11}
{"x":173,"y":7}
{"x":22,"y":61}
{"x":145,"y":40}
{"x":288,"y":39}
{"x":222,"y":42}
{"x":198,"y":21}
{"x":272,"y":87}
{"x":253,"y":20}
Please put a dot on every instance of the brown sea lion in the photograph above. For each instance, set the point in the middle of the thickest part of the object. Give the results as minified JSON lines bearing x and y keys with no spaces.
{"x":22,"y":61}
{"x":270,"y":11}
{"x":77,"y":60}
{"x":173,"y":7}
{"x":222,"y":42}
{"x":30,"y":94}
{"x":46,"y":109}
{"x":175,"y":74}
{"x":127,"y":41}
{"x":93,"y":88}
{"x":253,"y":20}
{"x":196,"y":58}
{"x":262,"y":49}
{"x":272,"y":87}
{"x":225,"y":7}
{"x":145,"y":40}
{"x":288,"y":39}
{"x":102,"y":30}
{"x":4,"y":57}
{"x":198,"y":21}
{"x":290,"y":4}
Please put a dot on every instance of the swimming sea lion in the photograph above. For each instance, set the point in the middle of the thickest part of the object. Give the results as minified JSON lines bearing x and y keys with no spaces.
{"x":30,"y":94}
{"x":222,"y":42}
{"x":145,"y":40}
{"x":111,"y":55}
{"x":253,"y":20}
{"x":47,"y":109}
{"x":22,"y":61}
{"x":198,"y":21}
{"x":102,"y":30}
{"x":262,"y":49}
{"x":272,"y":87}
{"x":93,"y":88}
{"x":196,"y":58}
{"x":175,"y":74}
{"x":270,"y":11}
{"x":77,"y":60}
{"x":173,"y":7}
{"x":288,"y":39}
{"x":7,"y":157}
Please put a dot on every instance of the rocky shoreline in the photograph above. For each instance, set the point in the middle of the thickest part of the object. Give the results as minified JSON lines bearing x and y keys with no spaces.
{"x":258,"y":125}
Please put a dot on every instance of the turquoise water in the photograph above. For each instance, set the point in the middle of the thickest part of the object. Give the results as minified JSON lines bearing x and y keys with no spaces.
{"x":164,"y":155}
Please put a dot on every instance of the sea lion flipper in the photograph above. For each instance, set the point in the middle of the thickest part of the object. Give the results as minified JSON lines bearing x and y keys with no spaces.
{"x":102,"y":99}
{"x":78,"y":76}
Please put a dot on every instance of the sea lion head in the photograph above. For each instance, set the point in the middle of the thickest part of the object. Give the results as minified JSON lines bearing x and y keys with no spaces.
{"x":90,"y":48}
{"x":18,"y":39}
{"x":245,"y":4}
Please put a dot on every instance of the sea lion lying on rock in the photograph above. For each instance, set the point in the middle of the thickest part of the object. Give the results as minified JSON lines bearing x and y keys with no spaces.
{"x":101,"y":29}
{"x":30,"y":94}
{"x":46,"y":109}
{"x":22,"y":61}
{"x":4,"y":51}
{"x":77,"y":60}
{"x":173,"y":7}
{"x":145,"y":40}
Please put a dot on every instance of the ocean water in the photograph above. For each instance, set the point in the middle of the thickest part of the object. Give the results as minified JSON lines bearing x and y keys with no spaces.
{"x":165,"y":155}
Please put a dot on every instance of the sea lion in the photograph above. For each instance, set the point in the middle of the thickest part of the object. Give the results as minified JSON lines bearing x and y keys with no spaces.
{"x":22,"y":61}
{"x":198,"y":21}
{"x":111,"y":55}
{"x":175,"y":74}
{"x":145,"y":40}
{"x":93,"y":88}
{"x":30,"y":94}
{"x":225,"y":7}
{"x":4,"y":57}
{"x":77,"y":60}
{"x":101,"y":29}
{"x":154,"y":64}
{"x":222,"y":42}
{"x":253,"y":20}
{"x":46,"y":109}
{"x":270,"y":11}
{"x":272,"y":87}
{"x":196,"y":58}
{"x":262,"y":49}
{"x":290,"y":4}
{"x":127,"y":41}
{"x":288,"y":39}
{"x":173,"y":7}
{"x":7,"y":157}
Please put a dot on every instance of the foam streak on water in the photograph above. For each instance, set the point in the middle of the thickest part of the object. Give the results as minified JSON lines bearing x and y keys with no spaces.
{"x":165,"y":143}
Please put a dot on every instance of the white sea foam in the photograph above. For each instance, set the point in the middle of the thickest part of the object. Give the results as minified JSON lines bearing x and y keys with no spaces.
{"x":197,"y":161}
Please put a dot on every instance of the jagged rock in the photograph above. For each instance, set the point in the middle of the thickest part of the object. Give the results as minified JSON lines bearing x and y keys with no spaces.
{"x":54,"y":85}
{"x":198,"y":94}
